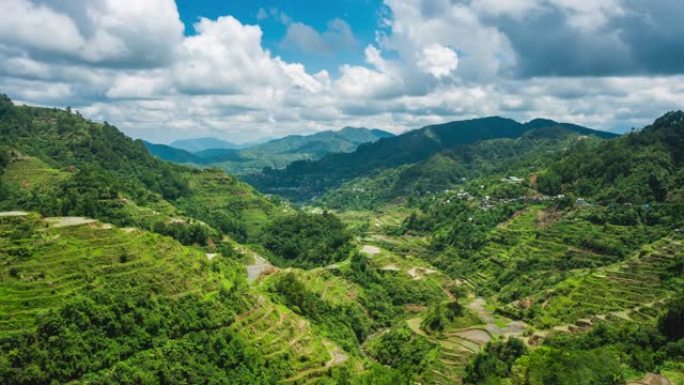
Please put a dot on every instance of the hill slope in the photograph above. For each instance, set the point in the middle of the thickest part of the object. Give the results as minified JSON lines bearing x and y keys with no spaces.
{"x":534,"y":270}
{"x":304,"y":180}
{"x":172,"y":154}
{"x":57,"y":163}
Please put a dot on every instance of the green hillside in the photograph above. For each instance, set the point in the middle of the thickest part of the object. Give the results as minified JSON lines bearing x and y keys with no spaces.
{"x":302,"y":181}
{"x":59,"y":164}
{"x":538,"y":254}
{"x":497,"y":158}
{"x":172,"y":154}
{"x":88,"y":303}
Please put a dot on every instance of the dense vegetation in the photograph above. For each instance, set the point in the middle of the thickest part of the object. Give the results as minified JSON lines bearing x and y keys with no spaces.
{"x":59,"y":164}
{"x":495,"y":253}
{"x":489,"y":160}
{"x":642,"y":167}
{"x":595,"y":357}
{"x":305,"y":180}
{"x":307,"y":240}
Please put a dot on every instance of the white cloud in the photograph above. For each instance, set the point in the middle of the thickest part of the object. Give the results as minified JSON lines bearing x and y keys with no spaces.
{"x":437,"y":60}
{"x":337,"y":37}
{"x":128,"y":62}
{"x":513,"y":8}
{"x":111,"y":32}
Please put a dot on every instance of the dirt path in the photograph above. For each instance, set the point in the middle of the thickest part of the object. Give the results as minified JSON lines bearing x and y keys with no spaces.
{"x":259,"y":265}
{"x":390,"y":267}
{"x":418,"y":273}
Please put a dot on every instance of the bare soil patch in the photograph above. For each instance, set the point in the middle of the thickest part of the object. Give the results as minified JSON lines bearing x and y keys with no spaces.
{"x":13,"y":214}
{"x":69,"y":221}
{"x":478,"y":336}
{"x":370,"y":250}
{"x":652,"y":379}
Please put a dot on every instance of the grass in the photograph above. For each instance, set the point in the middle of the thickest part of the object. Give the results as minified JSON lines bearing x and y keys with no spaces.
{"x":634,"y":285}
{"x":216,"y":192}
{"x":42,"y":266}
{"x":30,"y":172}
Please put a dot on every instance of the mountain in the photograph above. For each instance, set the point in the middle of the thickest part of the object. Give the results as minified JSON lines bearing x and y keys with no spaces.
{"x":552,"y":257}
{"x":452,"y":168}
{"x":318,"y":144}
{"x":200,"y":144}
{"x":276,"y":153}
{"x":58,"y":163}
{"x":304,"y":180}
{"x":641,"y":167}
{"x":172,"y":154}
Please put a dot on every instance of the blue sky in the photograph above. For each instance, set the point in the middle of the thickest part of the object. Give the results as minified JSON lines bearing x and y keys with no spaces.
{"x":242,"y":70}
{"x":363,"y":16}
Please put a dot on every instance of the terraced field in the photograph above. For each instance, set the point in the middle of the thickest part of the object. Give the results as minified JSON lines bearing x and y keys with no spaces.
{"x":44,"y":263}
{"x":283,"y":336}
{"x":628,"y":289}
{"x":458,"y":344}
{"x":215,"y":192}
{"x":47,"y":261}
{"x":538,"y":249}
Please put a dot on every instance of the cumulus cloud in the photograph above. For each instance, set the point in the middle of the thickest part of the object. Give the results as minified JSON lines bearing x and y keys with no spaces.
{"x":610,"y":64}
{"x":104,"y":32}
{"x":438,"y":60}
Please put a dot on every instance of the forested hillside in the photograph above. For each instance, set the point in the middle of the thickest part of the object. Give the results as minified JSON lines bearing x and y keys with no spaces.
{"x":304,"y":180}
{"x":538,"y":254}
{"x":59,"y":164}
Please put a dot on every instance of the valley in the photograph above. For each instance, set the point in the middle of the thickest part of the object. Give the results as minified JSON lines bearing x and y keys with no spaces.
{"x":478,"y":252}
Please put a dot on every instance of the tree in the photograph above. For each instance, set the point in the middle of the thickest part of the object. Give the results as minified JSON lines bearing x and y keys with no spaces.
{"x":671,"y":324}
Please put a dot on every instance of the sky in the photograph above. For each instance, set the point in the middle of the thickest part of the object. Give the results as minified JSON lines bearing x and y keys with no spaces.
{"x":243,"y":70}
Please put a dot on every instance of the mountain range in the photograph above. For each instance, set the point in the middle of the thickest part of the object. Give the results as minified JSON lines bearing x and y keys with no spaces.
{"x":477,"y":252}
{"x":276,"y":153}
{"x":304,"y":180}
{"x":200,"y":144}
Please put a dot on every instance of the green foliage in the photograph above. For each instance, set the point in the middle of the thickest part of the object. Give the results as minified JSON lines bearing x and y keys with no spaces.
{"x":638,"y":168}
{"x":671,"y":324}
{"x":495,"y":362}
{"x":598,"y":356}
{"x":187,"y":234}
{"x":458,"y":224}
{"x":385,"y":294}
{"x":63,"y":164}
{"x":442,"y":316}
{"x":549,"y":366}
{"x":149,"y":339}
{"x":346,"y":324}
{"x":307,"y":240}
{"x":402,"y":349}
